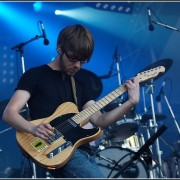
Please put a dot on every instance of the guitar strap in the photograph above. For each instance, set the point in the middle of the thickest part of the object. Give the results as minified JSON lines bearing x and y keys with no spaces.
{"x":75,"y":99}
{"x":74,"y":89}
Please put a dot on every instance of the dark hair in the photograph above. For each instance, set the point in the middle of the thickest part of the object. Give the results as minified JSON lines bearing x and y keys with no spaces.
{"x":78,"y":39}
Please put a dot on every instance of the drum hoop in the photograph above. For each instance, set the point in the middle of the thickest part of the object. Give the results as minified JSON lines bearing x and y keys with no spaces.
{"x":114,"y":146}
{"x":124,"y":121}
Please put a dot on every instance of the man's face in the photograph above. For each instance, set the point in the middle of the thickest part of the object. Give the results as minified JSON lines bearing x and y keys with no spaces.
{"x":69,"y":64}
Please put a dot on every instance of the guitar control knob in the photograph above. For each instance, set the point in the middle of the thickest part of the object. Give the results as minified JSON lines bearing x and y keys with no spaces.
{"x":51,"y":155}
{"x":59,"y":149}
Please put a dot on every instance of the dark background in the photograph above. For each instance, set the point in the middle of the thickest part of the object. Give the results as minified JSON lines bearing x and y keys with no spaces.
{"x":119,"y":35}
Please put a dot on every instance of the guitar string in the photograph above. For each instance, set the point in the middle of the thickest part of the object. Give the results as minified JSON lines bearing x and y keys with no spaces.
{"x":66,"y":126}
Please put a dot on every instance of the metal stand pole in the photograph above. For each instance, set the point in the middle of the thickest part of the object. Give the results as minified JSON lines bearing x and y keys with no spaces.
{"x":3,"y":131}
{"x":34,"y":171}
{"x":19,"y":48}
{"x":170,"y":109}
{"x":118,"y":68}
{"x":148,"y":126}
{"x":154,"y":125}
{"x":118,"y":59}
{"x":23,"y":70}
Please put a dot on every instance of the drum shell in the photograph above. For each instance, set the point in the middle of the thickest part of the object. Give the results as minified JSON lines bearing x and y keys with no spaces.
{"x":134,"y":142}
{"x":110,"y":155}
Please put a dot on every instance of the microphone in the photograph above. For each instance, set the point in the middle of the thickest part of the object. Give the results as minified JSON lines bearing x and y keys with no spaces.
{"x":116,"y":55}
{"x":46,"y":41}
{"x":107,"y":76}
{"x":158,"y":97}
{"x":151,"y":27}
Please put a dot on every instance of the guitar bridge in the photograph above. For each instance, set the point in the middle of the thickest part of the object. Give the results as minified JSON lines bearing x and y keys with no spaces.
{"x":59,"y":149}
{"x":57,"y":135}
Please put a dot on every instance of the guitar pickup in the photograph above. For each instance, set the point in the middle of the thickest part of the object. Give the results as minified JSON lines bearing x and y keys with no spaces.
{"x":59,"y":149}
{"x":56,"y":136}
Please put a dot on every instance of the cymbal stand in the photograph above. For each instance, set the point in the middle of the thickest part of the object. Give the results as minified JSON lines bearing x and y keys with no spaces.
{"x":170,"y":109}
{"x":20,"y":49}
{"x":144,"y":101}
{"x":153,"y":124}
{"x":148,"y":125}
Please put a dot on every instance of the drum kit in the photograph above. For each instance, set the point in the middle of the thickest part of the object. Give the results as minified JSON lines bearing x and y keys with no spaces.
{"x":122,"y":140}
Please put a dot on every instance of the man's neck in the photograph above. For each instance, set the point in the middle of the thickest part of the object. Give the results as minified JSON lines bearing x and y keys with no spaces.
{"x":55,"y":64}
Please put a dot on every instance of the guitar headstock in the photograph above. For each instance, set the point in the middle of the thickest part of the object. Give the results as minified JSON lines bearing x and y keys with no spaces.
{"x":150,"y":74}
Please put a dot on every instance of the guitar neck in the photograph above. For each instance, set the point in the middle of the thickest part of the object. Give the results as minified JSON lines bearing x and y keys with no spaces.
{"x":85,"y":114}
{"x":142,"y":76}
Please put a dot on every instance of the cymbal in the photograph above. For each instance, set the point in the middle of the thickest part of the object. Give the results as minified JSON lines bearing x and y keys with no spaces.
{"x":146,"y":117}
{"x":167,"y":63}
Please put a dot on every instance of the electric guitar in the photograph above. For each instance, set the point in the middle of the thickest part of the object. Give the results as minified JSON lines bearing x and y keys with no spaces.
{"x":69,"y":134}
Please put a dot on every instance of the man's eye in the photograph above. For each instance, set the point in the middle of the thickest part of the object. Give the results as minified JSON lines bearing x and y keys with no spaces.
{"x":73,"y":57}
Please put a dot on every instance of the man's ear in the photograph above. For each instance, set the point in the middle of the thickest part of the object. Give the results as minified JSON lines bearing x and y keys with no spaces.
{"x":59,"y":50}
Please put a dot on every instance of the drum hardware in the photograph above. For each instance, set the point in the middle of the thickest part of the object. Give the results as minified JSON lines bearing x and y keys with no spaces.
{"x":171,"y":111}
{"x":171,"y":166}
{"x":142,"y":150}
{"x":124,"y":128}
{"x":174,"y":164}
{"x":153,"y":125}
{"x":128,"y":125}
{"x":106,"y":159}
{"x":152,"y":122}
{"x":146,"y":117}
{"x":134,"y":142}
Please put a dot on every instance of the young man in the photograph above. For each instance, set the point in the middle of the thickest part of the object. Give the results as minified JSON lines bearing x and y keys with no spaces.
{"x":45,"y":87}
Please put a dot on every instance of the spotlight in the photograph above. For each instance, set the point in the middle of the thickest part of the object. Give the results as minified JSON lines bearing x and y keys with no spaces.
{"x":113,"y":7}
{"x":98,"y":5}
{"x":122,"y":7}
{"x":58,"y":12}
{"x":37,"y":6}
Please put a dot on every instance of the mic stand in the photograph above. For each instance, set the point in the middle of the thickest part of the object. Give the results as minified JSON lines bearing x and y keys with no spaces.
{"x":170,"y":109}
{"x":143,"y":149}
{"x":165,"y":25}
{"x":20,"y":49}
{"x":3,"y":131}
{"x":118,"y":73}
{"x":118,"y":70}
{"x":20,"y":45}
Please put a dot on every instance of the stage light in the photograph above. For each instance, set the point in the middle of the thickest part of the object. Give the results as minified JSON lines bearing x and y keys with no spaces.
{"x":7,"y":66}
{"x":98,"y":5}
{"x":122,"y":7}
{"x":58,"y":12}
{"x":37,"y":6}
